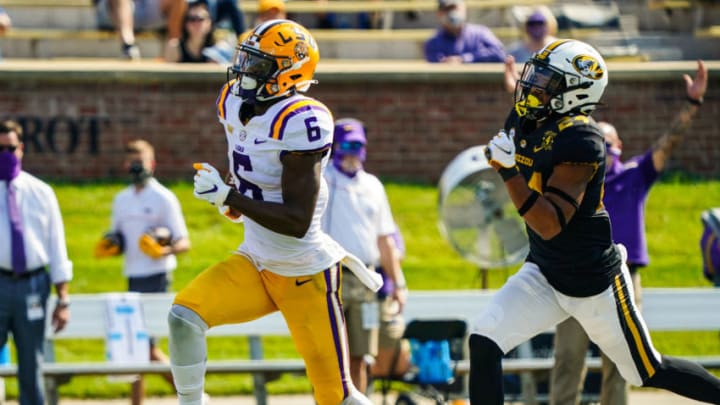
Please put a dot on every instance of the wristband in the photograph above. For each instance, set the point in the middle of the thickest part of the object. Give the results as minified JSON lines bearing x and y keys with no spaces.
{"x":63,"y":303}
{"x":508,"y":172}
{"x":695,"y":102}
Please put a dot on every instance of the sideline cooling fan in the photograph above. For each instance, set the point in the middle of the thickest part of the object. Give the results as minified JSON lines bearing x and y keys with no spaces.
{"x":476,"y":215}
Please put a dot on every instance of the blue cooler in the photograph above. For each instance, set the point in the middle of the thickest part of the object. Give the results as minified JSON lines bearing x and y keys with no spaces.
{"x":5,"y":355}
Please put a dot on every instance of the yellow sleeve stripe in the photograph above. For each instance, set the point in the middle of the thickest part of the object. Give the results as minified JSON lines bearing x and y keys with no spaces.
{"x":277,"y":127}
{"x":535,"y":182}
{"x":224,"y":93}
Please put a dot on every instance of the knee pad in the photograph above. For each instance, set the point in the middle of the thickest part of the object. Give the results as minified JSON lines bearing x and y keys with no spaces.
{"x":356,"y":398}
{"x":187,"y":336}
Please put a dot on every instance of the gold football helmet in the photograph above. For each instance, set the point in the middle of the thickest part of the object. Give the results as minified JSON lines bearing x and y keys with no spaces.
{"x":276,"y":59}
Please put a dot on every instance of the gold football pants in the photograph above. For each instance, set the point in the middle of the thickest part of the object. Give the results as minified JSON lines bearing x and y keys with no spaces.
{"x":234,"y":291}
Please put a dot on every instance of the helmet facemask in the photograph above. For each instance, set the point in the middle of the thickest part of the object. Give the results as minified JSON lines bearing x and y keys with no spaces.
{"x":539,"y":91}
{"x":256,"y":73}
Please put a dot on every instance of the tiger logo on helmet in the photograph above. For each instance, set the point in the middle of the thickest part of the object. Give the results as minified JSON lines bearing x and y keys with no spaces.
{"x":571,"y":74}
{"x":276,"y":59}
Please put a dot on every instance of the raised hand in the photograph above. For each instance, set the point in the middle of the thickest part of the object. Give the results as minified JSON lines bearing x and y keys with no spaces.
{"x":696,"y":88}
{"x":209,"y":186}
{"x":501,"y":149}
{"x":510,"y":75}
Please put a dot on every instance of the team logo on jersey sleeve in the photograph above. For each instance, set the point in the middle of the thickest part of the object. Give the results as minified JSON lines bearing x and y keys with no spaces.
{"x":242,"y":135}
{"x":547,"y":141}
{"x":588,"y":67}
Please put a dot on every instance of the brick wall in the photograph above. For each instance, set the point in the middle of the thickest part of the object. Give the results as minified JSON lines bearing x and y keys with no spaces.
{"x":417,"y":120}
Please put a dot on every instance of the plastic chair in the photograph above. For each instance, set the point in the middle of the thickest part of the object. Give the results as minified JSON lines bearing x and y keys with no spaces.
{"x":420,"y":331}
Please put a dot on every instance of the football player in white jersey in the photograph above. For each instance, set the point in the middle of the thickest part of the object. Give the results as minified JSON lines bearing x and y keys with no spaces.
{"x":278,"y":144}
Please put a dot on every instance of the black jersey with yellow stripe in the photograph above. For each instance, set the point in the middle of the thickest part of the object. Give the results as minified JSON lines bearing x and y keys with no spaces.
{"x":581,"y":260}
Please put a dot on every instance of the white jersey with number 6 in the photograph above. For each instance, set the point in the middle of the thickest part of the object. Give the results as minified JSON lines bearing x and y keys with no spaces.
{"x":296,"y":124}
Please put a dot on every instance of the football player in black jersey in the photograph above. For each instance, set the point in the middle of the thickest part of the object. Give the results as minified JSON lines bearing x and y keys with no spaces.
{"x":551,"y":156}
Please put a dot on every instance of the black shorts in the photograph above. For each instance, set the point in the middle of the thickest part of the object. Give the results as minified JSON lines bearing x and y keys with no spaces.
{"x":156,"y":283}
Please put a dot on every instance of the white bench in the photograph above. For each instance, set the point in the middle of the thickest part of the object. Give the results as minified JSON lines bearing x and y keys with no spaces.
{"x":667,"y":309}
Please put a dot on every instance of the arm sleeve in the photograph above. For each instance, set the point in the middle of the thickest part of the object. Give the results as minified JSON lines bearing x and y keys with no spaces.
{"x":114,"y":220}
{"x":174,"y":218}
{"x":386,"y":223}
{"x":647,"y":168}
{"x":60,"y":266}
{"x":433,"y":51}
{"x":487,"y":48}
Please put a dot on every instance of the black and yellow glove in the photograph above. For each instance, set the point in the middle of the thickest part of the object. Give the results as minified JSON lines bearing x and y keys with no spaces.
{"x":111,"y":244}
{"x":154,"y":242}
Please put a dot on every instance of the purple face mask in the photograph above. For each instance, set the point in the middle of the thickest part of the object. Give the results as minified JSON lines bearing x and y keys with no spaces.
{"x":9,"y":165}
{"x":348,"y":148}
{"x":537,"y":31}
{"x":337,"y":159}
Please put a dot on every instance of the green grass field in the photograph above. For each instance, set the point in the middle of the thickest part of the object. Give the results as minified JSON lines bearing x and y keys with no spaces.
{"x":673,"y":226}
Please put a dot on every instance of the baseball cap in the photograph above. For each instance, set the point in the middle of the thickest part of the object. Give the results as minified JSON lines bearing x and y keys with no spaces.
{"x":350,"y":132}
{"x":448,"y":3}
{"x":265,"y":5}
{"x":536,"y":17}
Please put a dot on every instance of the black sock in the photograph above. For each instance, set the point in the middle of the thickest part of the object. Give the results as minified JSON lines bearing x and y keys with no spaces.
{"x":686,"y":378}
{"x":486,"y":377}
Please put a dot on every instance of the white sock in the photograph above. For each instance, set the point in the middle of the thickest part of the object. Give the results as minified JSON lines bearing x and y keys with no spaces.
{"x":189,"y":382}
{"x":356,"y":398}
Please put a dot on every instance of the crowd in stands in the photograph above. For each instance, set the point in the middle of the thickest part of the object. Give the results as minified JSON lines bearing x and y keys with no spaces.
{"x":5,"y":23}
{"x":460,"y":37}
{"x":190,"y":29}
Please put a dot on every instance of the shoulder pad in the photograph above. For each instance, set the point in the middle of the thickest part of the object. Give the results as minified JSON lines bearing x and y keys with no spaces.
{"x":293,"y":108}
{"x":222,"y":97}
{"x":573,"y":120}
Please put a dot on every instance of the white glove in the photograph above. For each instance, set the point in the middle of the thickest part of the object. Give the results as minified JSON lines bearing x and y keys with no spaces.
{"x":209,"y":186}
{"x":501,"y":149}
{"x":225,"y":211}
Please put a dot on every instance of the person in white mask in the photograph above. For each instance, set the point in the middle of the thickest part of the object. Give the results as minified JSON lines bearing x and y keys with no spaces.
{"x":457,"y":41}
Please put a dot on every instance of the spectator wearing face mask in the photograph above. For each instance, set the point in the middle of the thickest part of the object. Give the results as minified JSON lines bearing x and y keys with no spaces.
{"x":458,"y":41}
{"x":540,"y":30}
{"x":148,"y":229}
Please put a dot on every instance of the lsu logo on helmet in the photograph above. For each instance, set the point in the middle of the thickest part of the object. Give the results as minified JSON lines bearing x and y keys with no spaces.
{"x":276,"y":59}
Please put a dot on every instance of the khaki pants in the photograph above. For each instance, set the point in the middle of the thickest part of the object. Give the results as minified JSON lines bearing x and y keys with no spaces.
{"x":568,"y":375}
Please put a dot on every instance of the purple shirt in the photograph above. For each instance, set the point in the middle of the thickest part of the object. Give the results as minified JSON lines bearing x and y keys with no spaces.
{"x":476,"y":43}
{"x":711,"y":254}
{"x":626,"y":188}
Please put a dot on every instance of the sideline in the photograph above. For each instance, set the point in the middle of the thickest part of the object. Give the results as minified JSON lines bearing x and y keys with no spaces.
{"x":637,"y":397}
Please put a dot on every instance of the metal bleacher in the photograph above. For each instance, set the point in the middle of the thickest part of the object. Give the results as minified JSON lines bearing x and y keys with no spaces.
{"x":636,"y":29}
